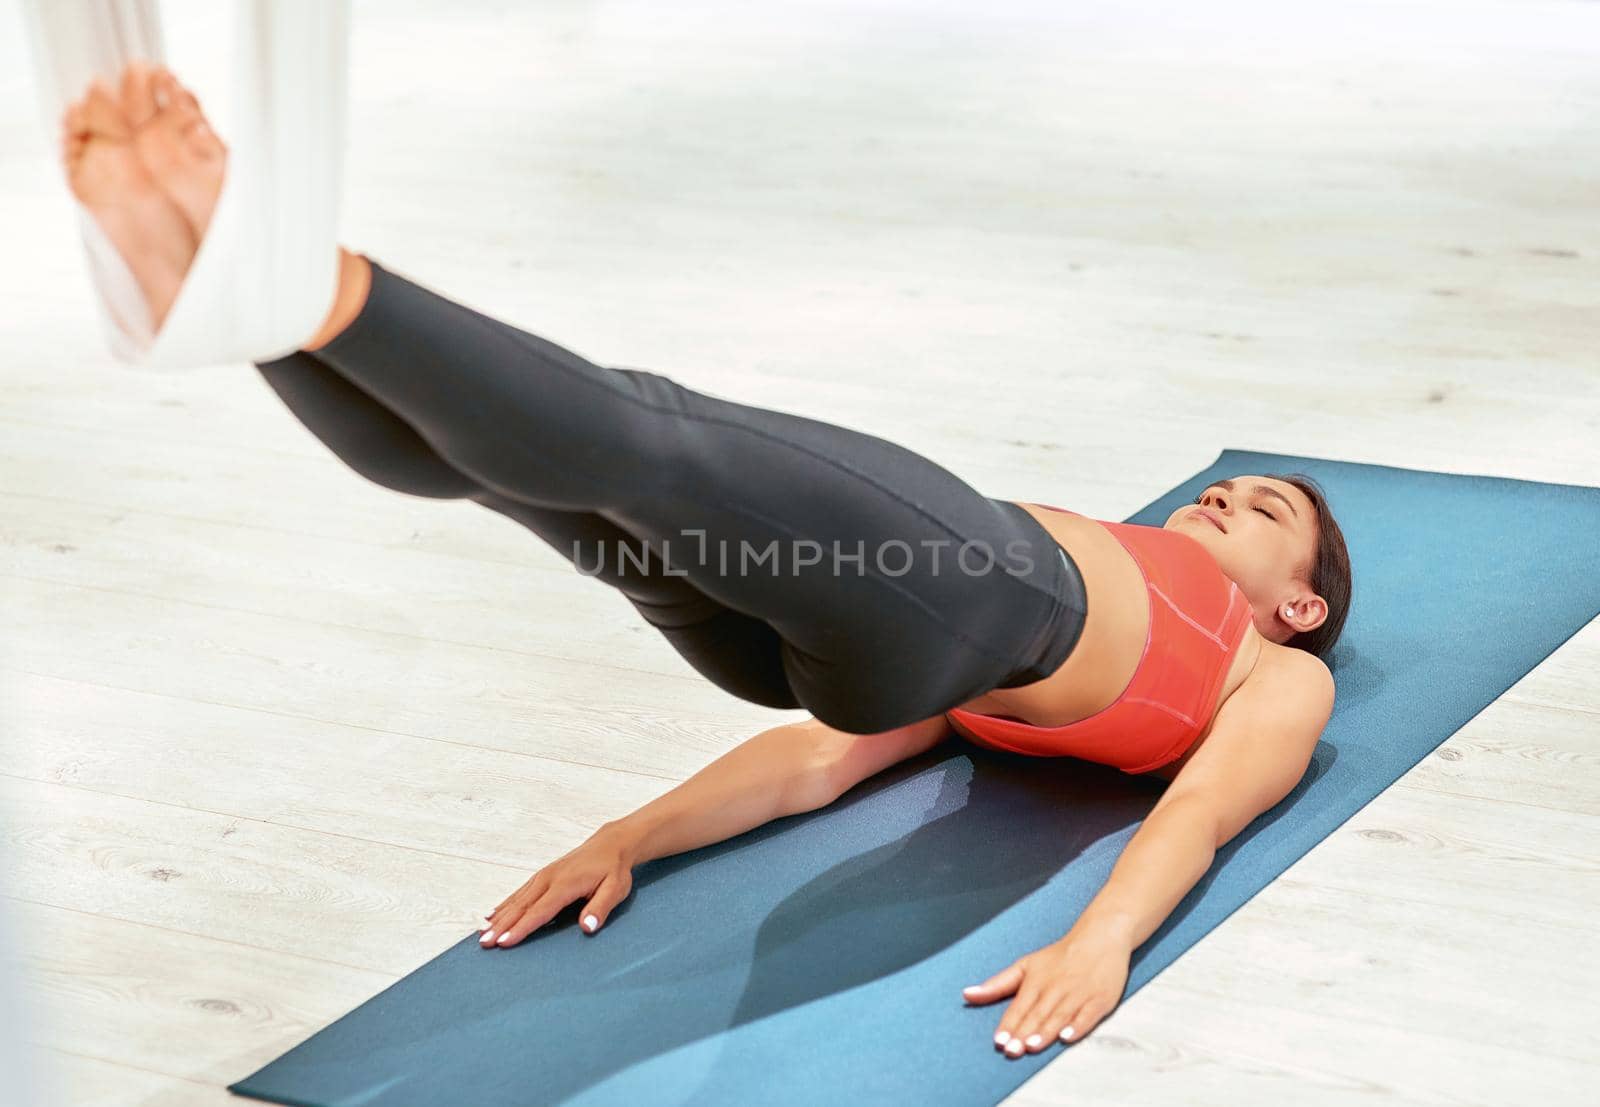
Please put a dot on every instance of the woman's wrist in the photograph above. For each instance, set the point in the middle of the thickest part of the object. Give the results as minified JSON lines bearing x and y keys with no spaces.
{"x":1105,"y":926}
{"x":628,"y":834}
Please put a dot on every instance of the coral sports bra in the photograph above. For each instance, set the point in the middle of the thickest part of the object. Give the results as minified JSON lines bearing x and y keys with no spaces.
{"x":1198,"y":620}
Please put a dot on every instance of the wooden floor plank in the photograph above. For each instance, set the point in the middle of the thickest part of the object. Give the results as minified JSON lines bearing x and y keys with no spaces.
{"x":1068,"y":251}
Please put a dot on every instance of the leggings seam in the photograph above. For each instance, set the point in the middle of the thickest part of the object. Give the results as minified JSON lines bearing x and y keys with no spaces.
{"x":894,"y":586}
{"x":478,"y":321}
{"x":519,"y":338}
{"x":1057,"y":602}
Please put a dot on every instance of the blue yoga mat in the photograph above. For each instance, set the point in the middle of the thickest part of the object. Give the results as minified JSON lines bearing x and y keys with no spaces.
{"x":819,"y":959}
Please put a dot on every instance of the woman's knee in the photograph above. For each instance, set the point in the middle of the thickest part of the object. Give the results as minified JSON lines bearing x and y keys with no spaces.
{"x":361,"y":432}
{"x":399,"y":462}
{"x":418,"y":475}
{"x":871,"y":695}
{"x":864,"y":711}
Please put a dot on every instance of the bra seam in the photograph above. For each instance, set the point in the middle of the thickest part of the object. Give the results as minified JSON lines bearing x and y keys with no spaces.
{"x":1212,"y":636}
{"x":1174,"y":752}
{"x":1153,"y":592}
{"x":1167,"y":707}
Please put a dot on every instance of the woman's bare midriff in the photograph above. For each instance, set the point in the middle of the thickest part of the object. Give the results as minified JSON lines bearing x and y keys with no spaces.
{"x":1103,"y":662}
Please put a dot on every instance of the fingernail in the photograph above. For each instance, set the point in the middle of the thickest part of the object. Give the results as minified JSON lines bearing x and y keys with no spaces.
{"x":504,"y":938}
{"x":488,"y":937}
{"x":590,"y":922}
{"x":970,"y":988}
{"x":1066,"y":1034}
{"x":1001,"y":1037}
{"x":1034,"y":1040}
{"x":1014,"y":1046}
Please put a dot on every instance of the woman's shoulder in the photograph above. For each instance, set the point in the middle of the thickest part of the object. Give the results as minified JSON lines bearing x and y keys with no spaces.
{"x":1282,"y":674}
{"x":1301,"y":665}
{"x":1281,"y":670}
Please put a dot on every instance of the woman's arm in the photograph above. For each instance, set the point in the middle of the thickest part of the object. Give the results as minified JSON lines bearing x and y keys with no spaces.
{"x":783,"y":771}
{"x":1257,"y":751}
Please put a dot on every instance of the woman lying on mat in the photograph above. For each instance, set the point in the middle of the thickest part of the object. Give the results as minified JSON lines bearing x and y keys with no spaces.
{"x":796,"y":563}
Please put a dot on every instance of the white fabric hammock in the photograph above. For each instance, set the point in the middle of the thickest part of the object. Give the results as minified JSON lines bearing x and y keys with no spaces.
{"x":267,"y":270}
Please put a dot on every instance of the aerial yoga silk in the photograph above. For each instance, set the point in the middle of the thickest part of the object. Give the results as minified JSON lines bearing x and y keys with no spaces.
{"x":267,"y":269}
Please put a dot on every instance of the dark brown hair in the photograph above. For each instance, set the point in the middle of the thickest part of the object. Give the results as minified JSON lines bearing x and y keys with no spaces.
{"x":1328,"y":574}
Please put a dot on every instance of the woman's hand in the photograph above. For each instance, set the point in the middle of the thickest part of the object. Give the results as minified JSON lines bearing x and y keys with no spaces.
{"x":1062,"y":990}
{"x":601,"y":868}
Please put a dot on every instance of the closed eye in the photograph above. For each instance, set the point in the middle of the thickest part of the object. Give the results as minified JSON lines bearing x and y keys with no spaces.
{"x":1263,"y":510}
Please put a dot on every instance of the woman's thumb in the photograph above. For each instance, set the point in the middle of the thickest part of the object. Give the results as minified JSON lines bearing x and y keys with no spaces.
{"x":1002,"y":983}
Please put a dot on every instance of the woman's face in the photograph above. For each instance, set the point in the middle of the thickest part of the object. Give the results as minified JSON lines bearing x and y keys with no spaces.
{"x":1264,"y":531}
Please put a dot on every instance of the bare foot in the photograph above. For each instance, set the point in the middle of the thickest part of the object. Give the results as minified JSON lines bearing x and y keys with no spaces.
{"x":107,"y":176}
{"x":179,"y":149}
{"x":149,"y":168}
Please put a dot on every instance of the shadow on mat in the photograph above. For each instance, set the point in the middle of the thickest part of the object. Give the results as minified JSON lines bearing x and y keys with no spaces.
{"x":564,"y":1011}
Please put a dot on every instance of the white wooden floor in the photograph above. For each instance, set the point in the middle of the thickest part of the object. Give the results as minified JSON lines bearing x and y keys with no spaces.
{"x":274,"y":737}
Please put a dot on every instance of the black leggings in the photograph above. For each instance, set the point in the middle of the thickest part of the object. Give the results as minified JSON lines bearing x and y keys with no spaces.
{"x":792,"y":562}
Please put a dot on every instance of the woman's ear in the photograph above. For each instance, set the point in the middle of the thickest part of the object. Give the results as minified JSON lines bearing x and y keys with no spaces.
{"x":1305,"y":613}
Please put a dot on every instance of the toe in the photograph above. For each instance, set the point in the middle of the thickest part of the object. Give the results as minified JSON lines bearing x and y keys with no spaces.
{"x":181,"y":113}
{"x":72,"y":119}
{"x":177,"y":104}
{"x":186,"y":109}
{"x":101,"y":115}
{"x":203,"y":141}
{"x":162,"y":84}
{"x":138,"y":97}
{"x":186,"y":122}
{"x":161,"y":141}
